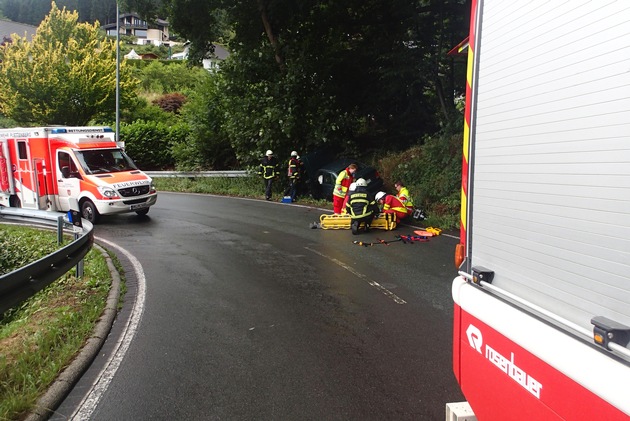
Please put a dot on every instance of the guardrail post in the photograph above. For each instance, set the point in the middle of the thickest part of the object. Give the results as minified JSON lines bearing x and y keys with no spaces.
{"x":60,"y":230}
{"x":80,"y":263}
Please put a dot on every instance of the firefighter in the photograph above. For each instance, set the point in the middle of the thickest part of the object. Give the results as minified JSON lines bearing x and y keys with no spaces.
{"x":403,"y":195}
{"x":268,"y":170}
{"x":392,"y":204}
{"x":361,"y":207}
{"x":293,"y":172}
{"x":344,"y":179}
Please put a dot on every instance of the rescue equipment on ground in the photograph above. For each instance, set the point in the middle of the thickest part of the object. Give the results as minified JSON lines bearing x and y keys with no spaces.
{"x":413,"y":238}
{"x":386,"y":221}
{"x":405,"y":239}
{"x":374,"y":243}
{"x":434,"y":231}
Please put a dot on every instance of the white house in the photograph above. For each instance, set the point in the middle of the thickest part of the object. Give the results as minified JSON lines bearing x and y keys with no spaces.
{"x":132,"y":25}
{"x":210,"y":63}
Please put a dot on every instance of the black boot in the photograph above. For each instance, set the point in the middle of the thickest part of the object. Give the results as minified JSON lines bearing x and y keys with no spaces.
{"x":354,"y":226}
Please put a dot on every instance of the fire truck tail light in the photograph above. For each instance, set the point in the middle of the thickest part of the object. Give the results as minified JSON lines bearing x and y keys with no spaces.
{"x":459,"y":255}
{"x":607,"y":331}
{"x":599,"y":338}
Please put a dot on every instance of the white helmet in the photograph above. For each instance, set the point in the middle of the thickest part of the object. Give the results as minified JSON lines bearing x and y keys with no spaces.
{"x":294,"y":153}
{"x":380,"y":195}
{"x":361,"y":182}
{"x":353,"y":186}
{"x":269,"y":152}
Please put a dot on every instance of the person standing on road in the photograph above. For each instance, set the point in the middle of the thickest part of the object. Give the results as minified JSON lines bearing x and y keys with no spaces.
{"x":268,"y":170}
{"x":344,"y":179}
{"x":403,"y":196}
{"x":392,"y":204}
{"x":293,"y":172}
{"x":361,"y":207}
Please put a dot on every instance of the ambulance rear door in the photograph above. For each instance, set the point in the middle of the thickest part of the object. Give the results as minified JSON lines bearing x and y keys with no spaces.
{"x":24,"y":176}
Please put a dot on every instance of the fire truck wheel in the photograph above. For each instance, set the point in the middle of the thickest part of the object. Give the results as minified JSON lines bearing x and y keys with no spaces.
{"x":142,"y":212}
{"x":89,"y":211}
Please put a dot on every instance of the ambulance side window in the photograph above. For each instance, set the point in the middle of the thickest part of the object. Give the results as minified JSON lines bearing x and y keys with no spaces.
{"x":66,"y":162}
{"x":22,"y":150}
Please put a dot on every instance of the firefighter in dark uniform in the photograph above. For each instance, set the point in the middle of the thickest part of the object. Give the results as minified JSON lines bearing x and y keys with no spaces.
{"x":361,"y":207}
{"x":268,"y":170}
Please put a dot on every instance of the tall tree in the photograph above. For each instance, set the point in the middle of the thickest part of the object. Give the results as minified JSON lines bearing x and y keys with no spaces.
{"x":66,"y":75}
{"x":355,"y":74}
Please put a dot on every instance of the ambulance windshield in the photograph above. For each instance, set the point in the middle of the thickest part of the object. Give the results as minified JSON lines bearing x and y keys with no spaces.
{"x":101,"y":161}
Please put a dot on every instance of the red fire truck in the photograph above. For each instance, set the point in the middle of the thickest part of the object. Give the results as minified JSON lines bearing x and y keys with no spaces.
{"x":71,"y":168}
{"x":542,"y":300}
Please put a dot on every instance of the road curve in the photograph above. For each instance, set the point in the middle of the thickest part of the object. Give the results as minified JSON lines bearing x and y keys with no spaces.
{"x":249,"y":314}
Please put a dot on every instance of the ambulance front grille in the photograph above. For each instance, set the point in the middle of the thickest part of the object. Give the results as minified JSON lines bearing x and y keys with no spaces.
{"x":134,"y":191}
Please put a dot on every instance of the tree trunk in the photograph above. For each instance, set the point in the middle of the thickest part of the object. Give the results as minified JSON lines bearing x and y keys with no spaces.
{"x":270,"y":34}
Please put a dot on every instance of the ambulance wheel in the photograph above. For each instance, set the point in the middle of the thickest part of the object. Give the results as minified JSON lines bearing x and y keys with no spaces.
{"x":89,"y":212}
{"x":142,"y":212}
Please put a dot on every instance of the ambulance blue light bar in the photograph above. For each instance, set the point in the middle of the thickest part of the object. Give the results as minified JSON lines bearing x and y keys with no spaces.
{"x":59,"y":130}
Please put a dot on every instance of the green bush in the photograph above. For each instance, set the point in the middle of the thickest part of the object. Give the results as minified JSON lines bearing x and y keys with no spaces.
{"x":174,"y":76}
{"x":149,"y":143}
{"x":432,"y":173}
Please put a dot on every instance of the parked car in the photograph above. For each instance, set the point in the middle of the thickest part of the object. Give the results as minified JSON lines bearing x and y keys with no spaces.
{"x":322,"y":182}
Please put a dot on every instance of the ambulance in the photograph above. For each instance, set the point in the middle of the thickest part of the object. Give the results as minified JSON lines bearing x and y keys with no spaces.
{"x":542,"y":297}
{"x":71,"y":168}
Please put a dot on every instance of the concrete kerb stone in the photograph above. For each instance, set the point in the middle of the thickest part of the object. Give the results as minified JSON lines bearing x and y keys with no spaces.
{"x":60,"y":388}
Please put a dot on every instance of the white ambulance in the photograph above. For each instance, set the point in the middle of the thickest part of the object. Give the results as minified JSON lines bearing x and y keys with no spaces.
{"x":71,"y":168}
{"x":542,"y":300}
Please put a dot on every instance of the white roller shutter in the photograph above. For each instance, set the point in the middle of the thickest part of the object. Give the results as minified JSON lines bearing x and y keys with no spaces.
{"x":551,"y":159}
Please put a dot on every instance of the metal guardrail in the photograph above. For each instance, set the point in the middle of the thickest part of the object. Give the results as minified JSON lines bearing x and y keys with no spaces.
{"x":23,"y":283}
{"x":194,"y":174}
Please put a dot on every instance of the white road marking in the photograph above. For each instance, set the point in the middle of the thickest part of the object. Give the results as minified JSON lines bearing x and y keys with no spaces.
{"x":359,"y":275}
{"x":90,"y":401}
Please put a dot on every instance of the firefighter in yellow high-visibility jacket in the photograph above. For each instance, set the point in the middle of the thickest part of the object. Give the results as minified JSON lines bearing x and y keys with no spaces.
{"x":403,"y":195}
{"x":344,"y":179}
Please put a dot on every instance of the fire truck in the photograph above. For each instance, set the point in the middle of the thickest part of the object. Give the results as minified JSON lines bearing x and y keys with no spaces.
{"x":71,"y":168}
{"x":542,"y":297}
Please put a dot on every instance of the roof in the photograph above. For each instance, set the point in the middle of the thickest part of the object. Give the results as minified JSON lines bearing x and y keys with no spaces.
{"x":133,"y":55}
{"x":8,"y":28}
{"x":220,"y":52}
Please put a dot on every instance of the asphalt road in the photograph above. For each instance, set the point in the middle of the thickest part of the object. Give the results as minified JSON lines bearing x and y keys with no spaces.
{"x":245,"y":313}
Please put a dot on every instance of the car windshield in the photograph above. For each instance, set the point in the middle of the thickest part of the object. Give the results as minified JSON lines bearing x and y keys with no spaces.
{"x":100,"y":161}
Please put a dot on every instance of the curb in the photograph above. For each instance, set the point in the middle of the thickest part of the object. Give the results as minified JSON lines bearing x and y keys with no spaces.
{"x":66,"y":380}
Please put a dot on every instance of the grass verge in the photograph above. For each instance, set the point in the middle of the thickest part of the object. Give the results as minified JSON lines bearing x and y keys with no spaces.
{"x":229,"y":186}
{"x":40,"y":338}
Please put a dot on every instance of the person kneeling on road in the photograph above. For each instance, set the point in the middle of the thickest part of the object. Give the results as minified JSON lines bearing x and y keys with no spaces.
{"x":361,"y":207}
{"x":392,"y":204}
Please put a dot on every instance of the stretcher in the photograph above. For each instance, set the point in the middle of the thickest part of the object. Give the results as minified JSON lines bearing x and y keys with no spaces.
{"x":385,"y":221}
